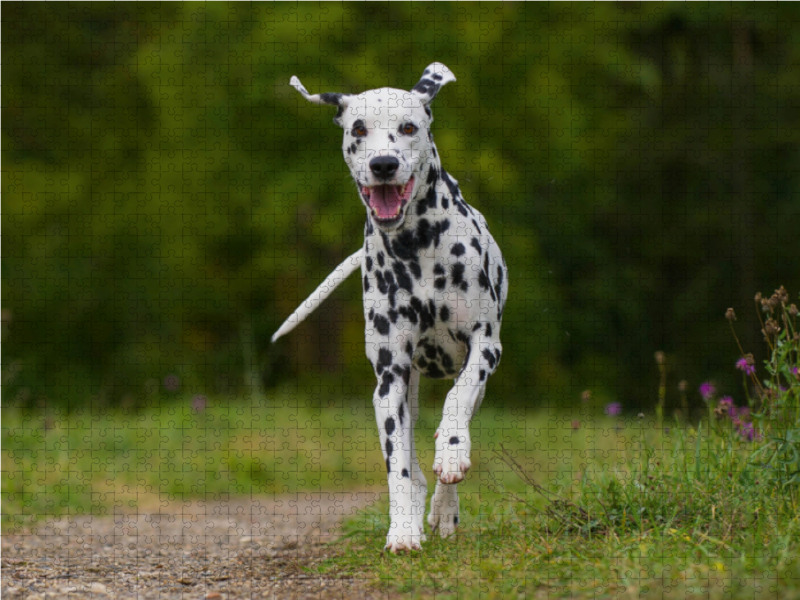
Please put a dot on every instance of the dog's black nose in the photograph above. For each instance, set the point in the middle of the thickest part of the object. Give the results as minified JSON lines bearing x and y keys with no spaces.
{"x":384,"y":167}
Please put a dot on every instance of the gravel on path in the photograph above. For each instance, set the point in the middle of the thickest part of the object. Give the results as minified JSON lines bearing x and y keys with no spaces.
{"x":266,"y":547}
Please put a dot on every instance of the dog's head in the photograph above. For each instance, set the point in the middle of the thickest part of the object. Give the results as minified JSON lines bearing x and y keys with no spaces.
{"x":387,"y":142}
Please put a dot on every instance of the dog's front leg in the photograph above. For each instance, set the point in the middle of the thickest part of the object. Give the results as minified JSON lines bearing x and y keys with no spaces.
{"x":453,"y":444}
{"x":393,"y":415}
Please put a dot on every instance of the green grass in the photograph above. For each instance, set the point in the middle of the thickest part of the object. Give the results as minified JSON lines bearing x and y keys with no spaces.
{"x":98,"y":461}
{"x":613,"y":508}
{"x":598,"y":513}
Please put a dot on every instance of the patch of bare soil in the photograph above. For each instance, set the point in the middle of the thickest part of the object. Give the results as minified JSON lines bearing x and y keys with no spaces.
{"x":266,"y":547}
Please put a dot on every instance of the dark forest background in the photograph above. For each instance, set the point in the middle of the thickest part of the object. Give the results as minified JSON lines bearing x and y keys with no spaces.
{"x":168,"y":199}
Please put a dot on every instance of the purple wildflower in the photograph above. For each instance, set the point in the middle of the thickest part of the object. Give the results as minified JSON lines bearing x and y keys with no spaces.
{"x":707,"y":390}
{"x":744,"y":367}
{"x":613,"y":409}
{"x":747,"y":431}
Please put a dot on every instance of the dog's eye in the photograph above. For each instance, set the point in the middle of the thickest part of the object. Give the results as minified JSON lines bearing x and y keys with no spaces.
{"x":359,"y":131}
{"x":408,"y":129}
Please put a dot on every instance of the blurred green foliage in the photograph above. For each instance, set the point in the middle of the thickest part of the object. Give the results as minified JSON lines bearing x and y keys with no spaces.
{"x":168,"y":199}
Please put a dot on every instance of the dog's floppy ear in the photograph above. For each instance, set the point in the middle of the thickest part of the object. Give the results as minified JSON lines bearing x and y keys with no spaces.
{"x":433,"y":78}
{"x":340,"y":100}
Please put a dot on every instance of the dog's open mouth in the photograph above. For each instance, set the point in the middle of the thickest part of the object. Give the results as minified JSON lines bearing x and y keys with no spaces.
{"x":387,"y":201}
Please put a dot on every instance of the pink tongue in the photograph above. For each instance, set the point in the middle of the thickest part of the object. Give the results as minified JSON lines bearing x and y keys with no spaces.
{"x":386,"y":201}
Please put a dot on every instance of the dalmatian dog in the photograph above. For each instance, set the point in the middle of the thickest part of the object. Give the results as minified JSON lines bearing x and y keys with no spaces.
{"x":435,"y":284}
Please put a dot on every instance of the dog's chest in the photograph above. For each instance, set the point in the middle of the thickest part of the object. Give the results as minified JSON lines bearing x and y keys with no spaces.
{"x":423,"y":283}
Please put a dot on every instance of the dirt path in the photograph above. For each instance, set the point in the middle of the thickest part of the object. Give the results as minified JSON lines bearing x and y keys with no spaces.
{"x":257,"y":548}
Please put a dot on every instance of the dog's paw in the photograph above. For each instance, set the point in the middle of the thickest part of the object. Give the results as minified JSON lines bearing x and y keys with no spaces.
{"x":444,"y":519}
{"x":451,"y":462}
{"x":403,"y":540}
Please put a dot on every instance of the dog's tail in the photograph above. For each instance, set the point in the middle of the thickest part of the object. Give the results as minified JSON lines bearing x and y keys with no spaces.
{"x":332,"y":281}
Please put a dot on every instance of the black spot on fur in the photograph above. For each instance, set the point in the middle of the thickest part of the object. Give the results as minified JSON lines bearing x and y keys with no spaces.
{"x":384,"y":360}
{"x":368,"y":262}
{"x":380,"y":259}
{"x":381,"y":324}
{"x":415,"y":269}
{"x":391,"y":138}
{"x":430,"y":197}
{"x":474,"y":222}
{"x":371,"y":313}
{"x":499,"y":284}
{"x":445,"y":202}
{"x":368,"y":229}
{"x":451,"y":185}
{"x":389,"y":448}
{"x":488,"y":330}
{"x":458,"y":249}
{"x":457,"y":273}
{"x":388,"y":467}
{"x":392,"y":315}
{"x":432,"y":175}
{"x":403,"y":280}
{"x":447,"y":362}
{"x":403,"y":372}
{"x":444,"y":313}
{"x":476,"y":327}
{"x":485,"y":276}
{"x":389,"y":425}
{"x":438,"y":269}
{"x":427,"y":313}
{"x":387,"y":379}
{"x":430,"y":351}
{"x":409,"y":313}
{"x":366,"y":283}
{"x":439,"y":283}
{"x":404,"y":473}
{"x":382,"y":287}
{"x":409,"y":349}
{"x":428,"y":202}
{"x":401,"y":411}
{"x":487,"y":354}
{"x":434,"y":372}
{"x":454,"y":440}
{"x":483,"y":280}
{"x":476,"y":244}
{"x":482,"y":374}
{"x":408,"y":244}
{"x":331,"y":98}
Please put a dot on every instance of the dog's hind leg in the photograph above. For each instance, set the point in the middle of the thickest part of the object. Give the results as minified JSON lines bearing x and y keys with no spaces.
{"x":419,"y":487}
